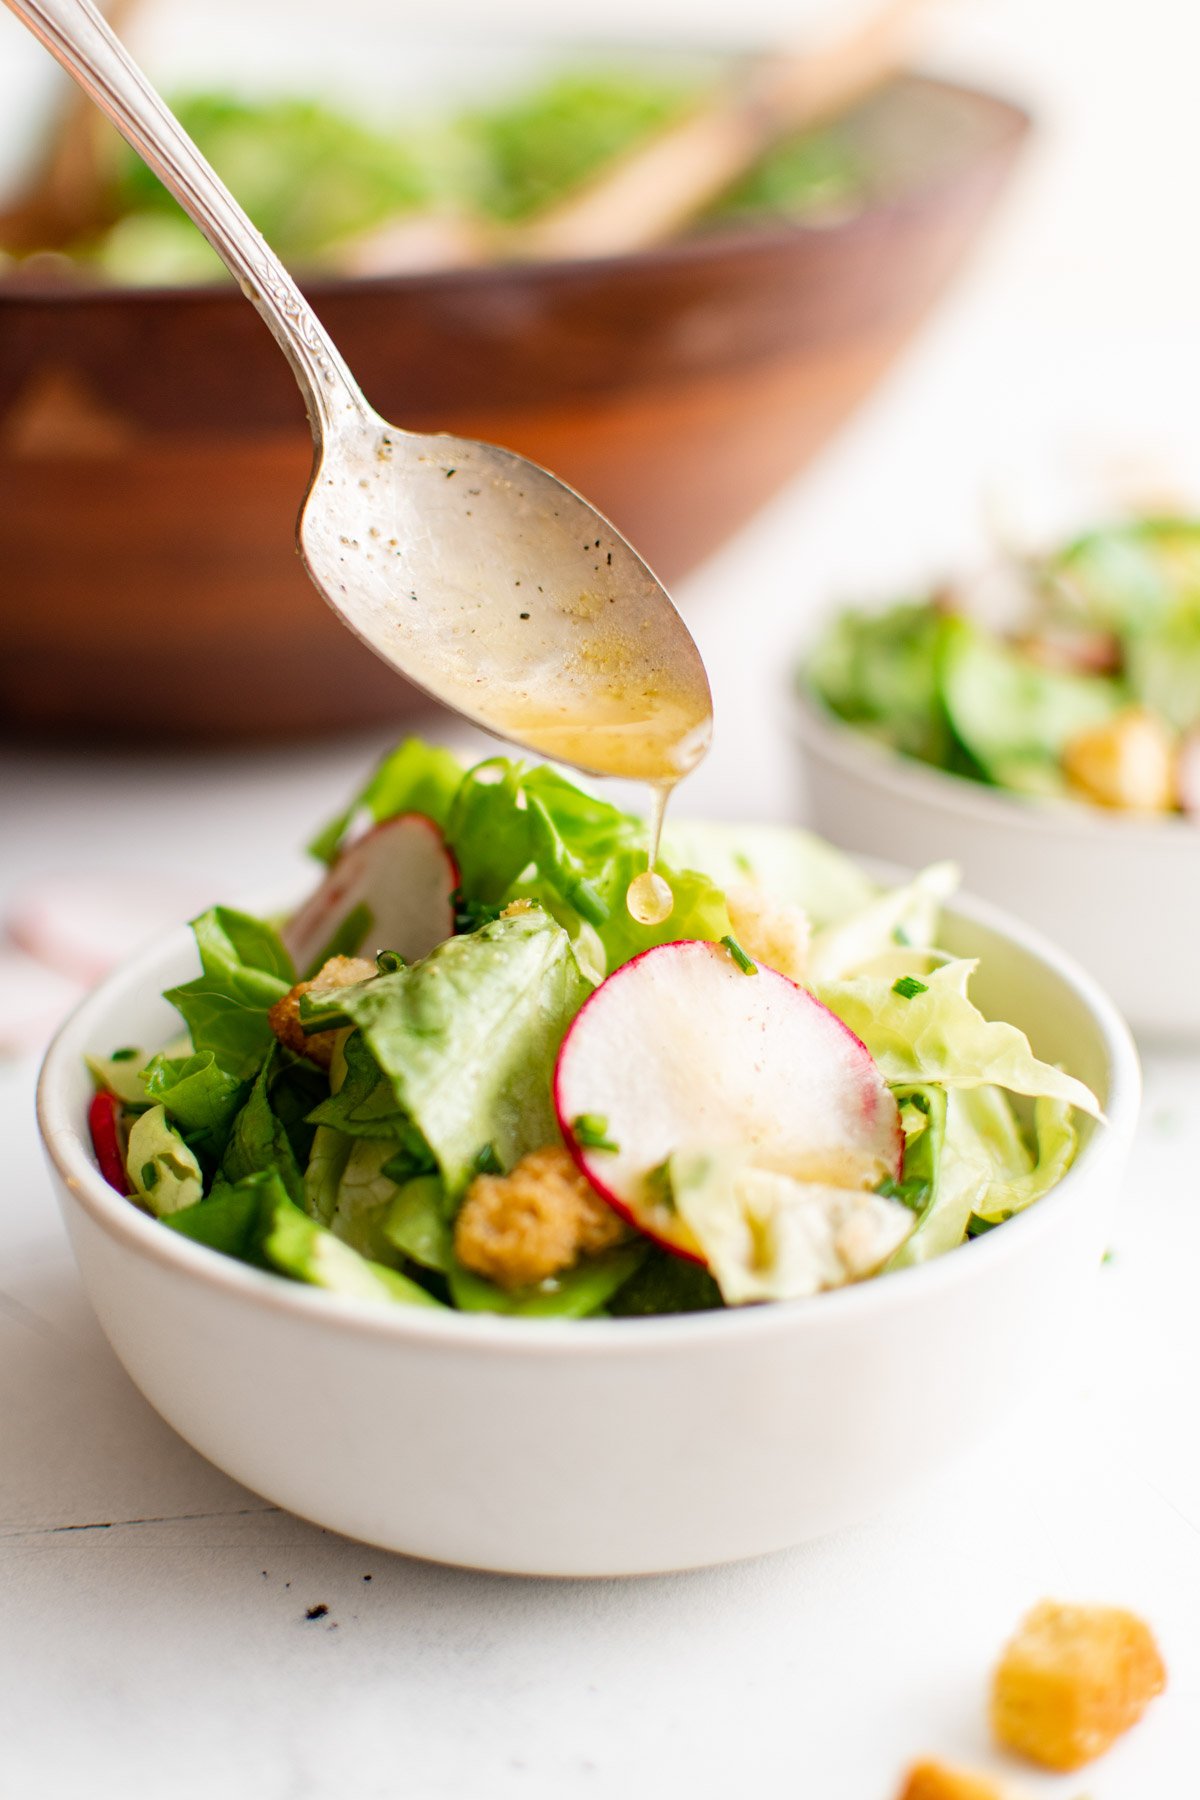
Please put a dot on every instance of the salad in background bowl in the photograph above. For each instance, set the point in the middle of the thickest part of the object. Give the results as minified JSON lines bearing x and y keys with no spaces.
{"x":1046,"y":734}
{"x":1088,"y":690}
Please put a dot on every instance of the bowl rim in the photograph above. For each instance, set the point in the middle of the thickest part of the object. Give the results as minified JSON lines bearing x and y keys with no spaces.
{"x":70,"y":1154}
{"x":1013,"y":123}
{"x":821,"y":730}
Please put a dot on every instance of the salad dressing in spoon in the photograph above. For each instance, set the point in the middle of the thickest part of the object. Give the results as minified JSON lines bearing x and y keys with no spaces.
{"x":475,"y":574}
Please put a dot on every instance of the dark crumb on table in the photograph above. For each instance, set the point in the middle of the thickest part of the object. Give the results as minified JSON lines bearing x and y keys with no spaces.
{"x":366,"y":1578}
{"x":317,"y":1612}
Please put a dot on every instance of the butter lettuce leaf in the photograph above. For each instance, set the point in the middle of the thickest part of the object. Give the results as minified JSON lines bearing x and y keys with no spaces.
{"x":789,"y":864}
{"x":984,"y":1168}
{"x":939,"y":1035}
{"x":904,"y":918}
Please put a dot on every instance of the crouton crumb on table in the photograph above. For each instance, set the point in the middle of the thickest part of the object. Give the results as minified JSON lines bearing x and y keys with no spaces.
{"x":937,"y":1781}
{"x":1071,"y":1681}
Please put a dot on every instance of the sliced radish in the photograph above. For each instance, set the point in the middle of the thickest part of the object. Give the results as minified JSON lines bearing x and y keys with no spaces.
{"x":680,"y":1050}
{"x":402,"y":874}
{"x":104,"y":1116}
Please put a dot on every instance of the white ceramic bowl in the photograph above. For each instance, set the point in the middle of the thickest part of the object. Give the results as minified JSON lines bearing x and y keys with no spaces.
{"x":1122,"y":892}
{"x":601,"y":1447}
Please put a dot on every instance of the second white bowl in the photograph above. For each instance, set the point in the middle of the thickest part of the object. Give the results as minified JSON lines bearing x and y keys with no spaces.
{"x":1122,"y":894}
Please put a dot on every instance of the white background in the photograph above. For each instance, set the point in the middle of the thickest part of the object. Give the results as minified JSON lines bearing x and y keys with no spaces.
{"x":143,"y":1649}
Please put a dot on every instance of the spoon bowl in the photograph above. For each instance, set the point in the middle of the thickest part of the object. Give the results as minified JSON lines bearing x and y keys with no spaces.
{"x":472,"y":572}
{"x":499,"y":591}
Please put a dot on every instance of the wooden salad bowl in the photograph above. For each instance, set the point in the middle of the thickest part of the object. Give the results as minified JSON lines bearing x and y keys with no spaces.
{"x":154,"y":451}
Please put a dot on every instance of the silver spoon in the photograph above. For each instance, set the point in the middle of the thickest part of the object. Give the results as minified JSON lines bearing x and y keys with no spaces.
{"x":474,"y":573}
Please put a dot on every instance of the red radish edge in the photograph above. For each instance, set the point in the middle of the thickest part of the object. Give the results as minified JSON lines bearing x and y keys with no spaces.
{"x":329,"y":895}
{"x":104,"y":1116}
{"x":620,"y":1207}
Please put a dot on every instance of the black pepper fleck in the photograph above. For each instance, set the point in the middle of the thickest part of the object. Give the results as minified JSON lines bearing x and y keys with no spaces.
{"x":317,"y":1612}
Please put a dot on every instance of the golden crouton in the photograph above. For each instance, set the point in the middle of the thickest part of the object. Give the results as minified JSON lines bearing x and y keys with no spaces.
{"x":284,"y":1016}
{"x":517,"y":1229}
{"x":1071,"y":1681}
{"x":1127,"y":763}
{"x":936,"y":1781}
{"x":515,"y":908}
{"x":771,"y":931}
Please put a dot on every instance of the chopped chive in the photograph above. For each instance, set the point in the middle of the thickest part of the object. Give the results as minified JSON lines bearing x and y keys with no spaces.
{"x":908,"y":987}
{"x":487,"y":1162}
{"x":469,"y":915}
{"x":149,"y":1175}
{"x":388,"y":961}
{"x":911,"y":1192}
{"x":977,"y":1226}
{"x":900,"y":936}
{"x":591,"y":1130}
{"x":587,"y":902}
{"x":125,"y":1054}
{"x":744,"y":963}
{"x":918,"y":1101}
{"x":319,"y":1012}
{"x":657,"y":1182}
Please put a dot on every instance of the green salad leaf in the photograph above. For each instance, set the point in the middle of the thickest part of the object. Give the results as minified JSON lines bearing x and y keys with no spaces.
{"x":882,"y":671}
{"x":245,"y":970}
{"x":577,"y":1293}
{"x":297,"y":1246}
{"x":229,"y":1220}
{"x":533,"y":149}
{"x":198,"y":1096}
{"x":309,"y":176}
{"x":414,"y":778}
{"x":271,"y":1130}
{"x":1130,"y":577}
{"x":468,"y":1038}
{"x":1014,"y":716}
{"x":415,"y":1223}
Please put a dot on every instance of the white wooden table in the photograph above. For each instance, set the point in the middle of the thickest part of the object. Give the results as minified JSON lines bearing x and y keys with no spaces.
{"x":155,"y":1637}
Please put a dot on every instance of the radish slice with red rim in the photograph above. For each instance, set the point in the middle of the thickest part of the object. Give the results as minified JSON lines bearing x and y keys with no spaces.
{"x":682,"y":1050}
{"x":390,"y":890}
